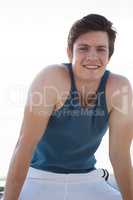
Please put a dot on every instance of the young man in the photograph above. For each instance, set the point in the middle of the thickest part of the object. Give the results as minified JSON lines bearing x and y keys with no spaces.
{"x":68,"y":110}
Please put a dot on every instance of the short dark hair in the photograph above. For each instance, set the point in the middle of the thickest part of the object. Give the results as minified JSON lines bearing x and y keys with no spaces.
{"x":92,"y":22}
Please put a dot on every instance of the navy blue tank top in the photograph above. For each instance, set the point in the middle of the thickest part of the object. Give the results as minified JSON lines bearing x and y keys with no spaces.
{"x":73,"y":133}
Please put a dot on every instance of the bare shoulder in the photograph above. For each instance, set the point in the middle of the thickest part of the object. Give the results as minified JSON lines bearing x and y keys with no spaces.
{"x":50,"y":83}
{"x":117,"y":86}
{"x":51,"y":73}
{"x":53,"y":76}
{"x":117,"y":81}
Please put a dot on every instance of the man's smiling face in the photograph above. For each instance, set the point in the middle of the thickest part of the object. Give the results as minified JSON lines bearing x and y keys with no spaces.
{"x":90,"y":55}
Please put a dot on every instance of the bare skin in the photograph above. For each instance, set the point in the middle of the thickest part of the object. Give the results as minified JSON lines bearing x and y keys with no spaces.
{"x":90,"y":88}
{"x":36,"y":115}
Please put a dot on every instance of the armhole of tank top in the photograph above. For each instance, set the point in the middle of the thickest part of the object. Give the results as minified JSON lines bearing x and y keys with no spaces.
{"x":105,"y":94}
{"x":102,"y":89}
{"x":73,"y":86}
{"x":68,"y":65}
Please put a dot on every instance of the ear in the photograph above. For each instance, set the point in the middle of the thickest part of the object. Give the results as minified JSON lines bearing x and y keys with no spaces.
{"x":69,"y":54}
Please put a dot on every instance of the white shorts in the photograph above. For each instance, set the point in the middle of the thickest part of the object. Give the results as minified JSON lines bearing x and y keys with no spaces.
{"x":43,"y":185}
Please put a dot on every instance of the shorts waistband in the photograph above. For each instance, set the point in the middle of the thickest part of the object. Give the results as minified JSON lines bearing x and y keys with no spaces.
{"x":52,"y":176}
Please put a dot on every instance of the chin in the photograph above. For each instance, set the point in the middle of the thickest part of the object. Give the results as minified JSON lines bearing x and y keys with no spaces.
{"x":92,"y":75}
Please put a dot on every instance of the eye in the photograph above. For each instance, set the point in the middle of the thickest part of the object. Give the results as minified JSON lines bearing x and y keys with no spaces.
{"x":83,"y":48}
{"x":102,"y":50}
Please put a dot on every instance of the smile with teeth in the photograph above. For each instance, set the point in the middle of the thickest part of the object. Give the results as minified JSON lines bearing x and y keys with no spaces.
{"x":91,"y":66}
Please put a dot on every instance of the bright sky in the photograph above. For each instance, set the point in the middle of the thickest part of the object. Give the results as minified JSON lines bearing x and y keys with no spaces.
{"x":32,"y":35}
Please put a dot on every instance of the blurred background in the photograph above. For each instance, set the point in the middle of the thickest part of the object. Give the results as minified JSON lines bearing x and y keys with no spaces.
{"x":33,"y":34}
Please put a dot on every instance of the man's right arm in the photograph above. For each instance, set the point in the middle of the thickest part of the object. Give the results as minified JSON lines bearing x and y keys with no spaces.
{"x":39,"y":107}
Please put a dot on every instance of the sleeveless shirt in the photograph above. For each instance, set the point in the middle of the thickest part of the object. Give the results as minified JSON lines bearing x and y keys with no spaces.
{"x":73,"y":133}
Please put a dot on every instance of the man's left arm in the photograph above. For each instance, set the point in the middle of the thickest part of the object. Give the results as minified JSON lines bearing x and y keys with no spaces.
{"x":120,"y":138}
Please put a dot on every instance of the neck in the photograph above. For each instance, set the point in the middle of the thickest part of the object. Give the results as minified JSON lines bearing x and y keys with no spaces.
{"x":89,"y":85}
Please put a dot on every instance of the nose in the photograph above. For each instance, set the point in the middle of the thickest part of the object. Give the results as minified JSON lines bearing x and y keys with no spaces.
{"x":92,"y":54}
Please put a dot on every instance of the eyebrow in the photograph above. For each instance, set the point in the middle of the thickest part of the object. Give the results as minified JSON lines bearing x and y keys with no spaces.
{"x":86,"y":45}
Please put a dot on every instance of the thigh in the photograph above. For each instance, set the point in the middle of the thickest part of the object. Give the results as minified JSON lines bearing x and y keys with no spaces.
{"x":35,"y":189}
{"x":112,"y":182}
{"x":94,"y":190}
{"x":98,"y":191}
